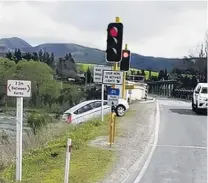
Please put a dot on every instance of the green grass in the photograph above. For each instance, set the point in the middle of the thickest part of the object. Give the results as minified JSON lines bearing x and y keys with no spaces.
{"x":146,"y":73}
{"x":88,"y":164}
{"x":84,"y":67}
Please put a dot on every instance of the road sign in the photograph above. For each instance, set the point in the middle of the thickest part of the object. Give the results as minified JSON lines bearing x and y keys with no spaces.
{"x":113,"y":99}
{"x":113,"y":77}
{"x":113,"y":96}
{"x":18,"y":88}
{"x":114,"y":91}
{"x":98,"y":73}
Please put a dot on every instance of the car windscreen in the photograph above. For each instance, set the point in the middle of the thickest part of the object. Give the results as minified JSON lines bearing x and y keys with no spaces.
{"x":204,"y":90}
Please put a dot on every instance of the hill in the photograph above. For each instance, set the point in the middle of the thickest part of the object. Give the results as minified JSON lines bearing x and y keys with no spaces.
{"x":89,"y":55}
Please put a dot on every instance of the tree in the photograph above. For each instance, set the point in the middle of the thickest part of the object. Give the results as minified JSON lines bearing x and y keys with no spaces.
{"x":67,"y":57}
{"x":161,"y":75}
{"x":66,"y":68}
{"x":46,"y":58}
{"x":198,"y":60}
{"x":40,"y":55}
{"x":132,"y":72}
{"x":150,"y":74}
{"x":17,"y":55}
{"x":89,"y":75}
{"x":27,"y":56}
{"x":165,"y":75}
{"x":52,"y":60}
{"x":46,"y":91}
{"x":138,"y":72}
{"x":9,"y":55}
{"x":5,"y":65}
{"x":143,"y":73}
{"x":71,"y":95}
{"x":35,"y":56}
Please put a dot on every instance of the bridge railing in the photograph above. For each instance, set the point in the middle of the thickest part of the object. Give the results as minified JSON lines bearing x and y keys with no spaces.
{"x":183,"y":94}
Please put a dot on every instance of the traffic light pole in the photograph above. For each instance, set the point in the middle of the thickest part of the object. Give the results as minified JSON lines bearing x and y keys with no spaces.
{"x":118,"y":20}
{"x":115,"y":66}
{"x":124,"y":80}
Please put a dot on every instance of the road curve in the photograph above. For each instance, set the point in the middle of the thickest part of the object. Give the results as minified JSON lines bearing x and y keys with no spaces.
{"x":180,"y":155}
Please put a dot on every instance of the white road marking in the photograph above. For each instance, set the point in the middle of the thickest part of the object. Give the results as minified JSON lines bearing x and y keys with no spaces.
{"x":175,"y":146}
{"x":147,"y":162}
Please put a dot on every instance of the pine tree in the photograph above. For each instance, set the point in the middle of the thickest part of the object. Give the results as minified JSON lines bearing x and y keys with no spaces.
{"x":40,"y":55}
{"x":9,"y":55}
{"x":143,"y":73}
{"x":27,"y":56}
{"x":35,"y":56}
{"x":17,"y":55}
{"x":150,"y":74}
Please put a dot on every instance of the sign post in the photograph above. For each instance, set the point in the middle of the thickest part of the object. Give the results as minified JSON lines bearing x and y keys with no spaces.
{"x":113,"y":97}
{"x":98,"y":78}
{"x":67,"y":163}
{"x":19,"y":89}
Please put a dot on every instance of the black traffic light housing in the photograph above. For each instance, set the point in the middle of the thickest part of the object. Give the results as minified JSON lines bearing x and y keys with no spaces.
{"x":114,"y":42}
{"x":125,"y":62}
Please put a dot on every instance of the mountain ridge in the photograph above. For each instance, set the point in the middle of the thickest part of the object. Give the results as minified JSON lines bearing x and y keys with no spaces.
{"x":84,"y":54}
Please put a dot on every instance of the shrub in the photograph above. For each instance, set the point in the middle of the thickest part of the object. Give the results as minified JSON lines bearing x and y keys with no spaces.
{"x":37,"y":121}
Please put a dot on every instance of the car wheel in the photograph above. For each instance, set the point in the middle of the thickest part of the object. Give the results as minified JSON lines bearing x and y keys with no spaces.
{"x":197,"y":110}
{"x":193,"y":107}
{"x":120,"y":110}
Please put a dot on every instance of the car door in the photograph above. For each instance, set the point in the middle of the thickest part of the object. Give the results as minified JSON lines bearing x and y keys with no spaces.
{"x":96,"y":112}
{"x":83,"y":114}
{"x":107,"y":108}
{"x":196,"y":94}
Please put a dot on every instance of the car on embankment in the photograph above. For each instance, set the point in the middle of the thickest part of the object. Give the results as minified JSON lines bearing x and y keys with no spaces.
{"x":87,"y":110}
{"x":200,"y":97}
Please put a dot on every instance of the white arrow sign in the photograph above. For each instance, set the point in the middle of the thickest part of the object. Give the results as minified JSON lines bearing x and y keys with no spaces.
{"x":18,"y":88}
{"x":113,"y":77}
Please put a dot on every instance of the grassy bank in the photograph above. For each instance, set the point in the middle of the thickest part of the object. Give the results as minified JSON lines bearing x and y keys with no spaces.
{"x":88,"y":164}
{"x":84,"y":68}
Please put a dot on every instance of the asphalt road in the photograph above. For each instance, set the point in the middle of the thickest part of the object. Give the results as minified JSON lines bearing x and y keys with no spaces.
{"x":180,"y":155}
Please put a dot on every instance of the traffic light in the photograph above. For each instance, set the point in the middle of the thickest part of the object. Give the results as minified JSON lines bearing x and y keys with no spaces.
{"x":125,"y":62}
{"x":114,"y":42}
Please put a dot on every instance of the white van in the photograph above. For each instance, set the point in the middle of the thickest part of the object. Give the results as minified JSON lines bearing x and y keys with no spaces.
{"x":200,"y":97}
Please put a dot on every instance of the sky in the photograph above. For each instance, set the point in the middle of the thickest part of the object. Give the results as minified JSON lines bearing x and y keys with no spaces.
{"x":151,"y":28}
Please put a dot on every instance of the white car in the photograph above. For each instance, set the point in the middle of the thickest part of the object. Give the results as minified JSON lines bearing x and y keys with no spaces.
{"x":91,"y":109}
{"x":200,"y":97}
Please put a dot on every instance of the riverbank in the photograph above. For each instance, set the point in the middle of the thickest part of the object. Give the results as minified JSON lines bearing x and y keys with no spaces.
{"x":88,"y":164}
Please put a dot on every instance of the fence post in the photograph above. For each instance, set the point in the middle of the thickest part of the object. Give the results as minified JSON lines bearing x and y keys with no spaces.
{"x":68,"y":157}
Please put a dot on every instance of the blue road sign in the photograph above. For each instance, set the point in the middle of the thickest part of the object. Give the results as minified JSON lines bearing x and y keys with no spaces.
{"x":114,"y":91}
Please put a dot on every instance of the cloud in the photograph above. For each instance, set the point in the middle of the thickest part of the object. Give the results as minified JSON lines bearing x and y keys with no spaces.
{"x":167,"y":29}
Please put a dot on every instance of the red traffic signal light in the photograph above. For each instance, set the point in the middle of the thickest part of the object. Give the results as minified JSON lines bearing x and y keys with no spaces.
{"x":114,"y":42}
{"x":125,"y":62}
{"x":125,"y":54}
{"x":114,"y":32}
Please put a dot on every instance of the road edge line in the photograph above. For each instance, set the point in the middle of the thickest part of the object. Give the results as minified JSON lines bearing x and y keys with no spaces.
{"x":147,"y":162}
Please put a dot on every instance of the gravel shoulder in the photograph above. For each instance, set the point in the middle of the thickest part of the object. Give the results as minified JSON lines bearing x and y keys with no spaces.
{"x":134,"y":132}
